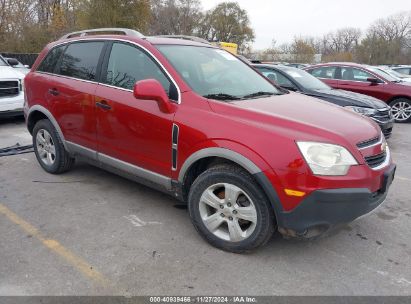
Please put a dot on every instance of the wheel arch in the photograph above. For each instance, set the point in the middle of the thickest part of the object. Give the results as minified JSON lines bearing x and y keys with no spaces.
{"x":38,"y":112}
{"x":398,"y":97}
{"x":203,"y":159}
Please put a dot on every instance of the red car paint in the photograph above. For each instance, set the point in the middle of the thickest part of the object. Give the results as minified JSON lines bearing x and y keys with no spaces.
{"x":263,"y":130}
{"x":386,"y":90}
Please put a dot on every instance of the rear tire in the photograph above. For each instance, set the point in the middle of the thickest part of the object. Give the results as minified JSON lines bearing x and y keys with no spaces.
{"x":229,"y":209}
{"x":49,"y":148}
{"x":401,"y":110}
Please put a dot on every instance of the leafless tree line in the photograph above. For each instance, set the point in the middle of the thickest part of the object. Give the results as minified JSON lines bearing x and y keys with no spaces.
{"x":26,"y":26}
{"x":386,"y":41}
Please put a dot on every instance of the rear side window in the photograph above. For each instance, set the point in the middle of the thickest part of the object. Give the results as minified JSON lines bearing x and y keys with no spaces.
{"x":80,"y":60}
{"x":128,"y":64}
{"x":49,"y":63}
{"x":324,"y":72}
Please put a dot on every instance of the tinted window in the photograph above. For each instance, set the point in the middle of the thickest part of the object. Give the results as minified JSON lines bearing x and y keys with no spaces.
{"x":324,"y":72}
{"x":128,"y":64}
{"x":80,"y":60}
{"x":276,"y":76}
{"x":49,"y":63}
{"x":354,"y":74}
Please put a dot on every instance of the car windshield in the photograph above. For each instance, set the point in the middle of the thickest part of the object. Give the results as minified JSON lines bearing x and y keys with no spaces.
{"x":384,"y":74}
{"x":306,"y":80}
{"x":3,"y":62}
{"x":217,"y":74}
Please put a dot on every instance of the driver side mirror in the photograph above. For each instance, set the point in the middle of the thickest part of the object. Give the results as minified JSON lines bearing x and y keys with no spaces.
{"x":374,"y":81}
{"x":13,"y":62}
{"x":151,"y":89}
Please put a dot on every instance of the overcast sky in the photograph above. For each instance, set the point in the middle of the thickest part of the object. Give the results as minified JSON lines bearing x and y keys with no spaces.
{"x":283,"y":19}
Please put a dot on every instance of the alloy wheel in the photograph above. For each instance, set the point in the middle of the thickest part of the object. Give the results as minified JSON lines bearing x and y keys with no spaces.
{"x":228,"y":212}
{"x":401,"y":111}
{"x":45,"y":147}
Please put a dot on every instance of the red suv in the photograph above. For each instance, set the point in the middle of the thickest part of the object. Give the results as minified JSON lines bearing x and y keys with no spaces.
{"x":370,"y":81}
{"x":196,"y":122}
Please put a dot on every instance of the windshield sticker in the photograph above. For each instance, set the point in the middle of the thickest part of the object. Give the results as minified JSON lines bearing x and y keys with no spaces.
{"x":226,"y":55}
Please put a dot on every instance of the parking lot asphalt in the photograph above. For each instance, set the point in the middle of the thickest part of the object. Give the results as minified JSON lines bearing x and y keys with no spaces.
{"x":89,"y":232}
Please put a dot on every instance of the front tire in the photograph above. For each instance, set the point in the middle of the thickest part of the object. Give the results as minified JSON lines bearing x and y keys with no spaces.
{"x":229,"y":209}
{"x":401,"y":110}
{"x":49,"y":148}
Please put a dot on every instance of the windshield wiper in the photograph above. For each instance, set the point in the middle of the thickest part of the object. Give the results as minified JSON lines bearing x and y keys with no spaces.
{"x":258,"y":94}
{"x":221,"y":96}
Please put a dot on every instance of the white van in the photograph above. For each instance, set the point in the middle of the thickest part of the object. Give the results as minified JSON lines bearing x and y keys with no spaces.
{"x":11,"y":90}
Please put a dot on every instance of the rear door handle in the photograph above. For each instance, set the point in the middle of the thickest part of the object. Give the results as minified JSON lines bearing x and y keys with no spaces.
{"x":103,"y":105}
{"x":54,"y":92}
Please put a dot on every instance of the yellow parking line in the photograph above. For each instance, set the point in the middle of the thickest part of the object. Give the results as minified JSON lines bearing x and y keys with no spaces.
{"x":77,"y":262}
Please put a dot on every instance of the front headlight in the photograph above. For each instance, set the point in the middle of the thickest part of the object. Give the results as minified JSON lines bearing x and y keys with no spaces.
{"x":363,"y":111}
{"x":326,"y":159}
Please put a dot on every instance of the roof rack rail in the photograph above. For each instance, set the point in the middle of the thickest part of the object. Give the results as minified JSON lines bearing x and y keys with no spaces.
{"x":185,"y":37}
{"x":117,"y":31}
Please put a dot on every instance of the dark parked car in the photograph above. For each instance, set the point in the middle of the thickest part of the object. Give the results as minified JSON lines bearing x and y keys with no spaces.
{"x":297,"y":80}
{"x":370,"y":81}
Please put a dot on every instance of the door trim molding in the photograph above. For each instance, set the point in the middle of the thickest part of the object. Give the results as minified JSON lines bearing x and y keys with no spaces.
{"x":103,"y":159}
{"x":135,"y":170}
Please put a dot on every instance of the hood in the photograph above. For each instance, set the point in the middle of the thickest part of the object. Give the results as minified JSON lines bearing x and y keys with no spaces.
{"x":7,"y":72}
{"x":302,"y":118}
{"x":22,"y":70}
{"x":346,"y":98}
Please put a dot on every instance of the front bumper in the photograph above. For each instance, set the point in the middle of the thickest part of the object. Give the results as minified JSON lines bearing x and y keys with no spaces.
{"x":324,"y":209}
{"x":12,"y":106}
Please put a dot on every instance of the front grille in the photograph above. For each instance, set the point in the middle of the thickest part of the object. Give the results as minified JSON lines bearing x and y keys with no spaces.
{"x":9,"y":88}
{"x":368,"y":142}
{"x":382,"y":115}
{"x":376,"y":160}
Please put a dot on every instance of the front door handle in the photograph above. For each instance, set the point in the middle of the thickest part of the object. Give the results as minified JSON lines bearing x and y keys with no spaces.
{"x":103,"y":105}
{"x":54,"y":92}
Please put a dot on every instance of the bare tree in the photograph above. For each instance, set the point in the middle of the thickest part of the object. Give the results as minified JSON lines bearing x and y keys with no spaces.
{"x":175,"y":17}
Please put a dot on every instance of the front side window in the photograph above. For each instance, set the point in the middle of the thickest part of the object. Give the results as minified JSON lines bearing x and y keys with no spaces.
{"x":128,"y":64}
{"x":80,"y":60}
{"x":215,"y":73}
{"x":324,"y":72}
{"x":352,"y":74}
{"x":50,"y":61}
